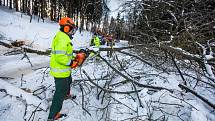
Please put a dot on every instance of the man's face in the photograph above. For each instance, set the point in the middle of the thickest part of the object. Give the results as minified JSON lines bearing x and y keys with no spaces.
{"x":72,"y":32}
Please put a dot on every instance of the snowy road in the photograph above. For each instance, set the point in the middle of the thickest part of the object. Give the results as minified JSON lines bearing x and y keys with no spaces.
{"x":14,"y":66}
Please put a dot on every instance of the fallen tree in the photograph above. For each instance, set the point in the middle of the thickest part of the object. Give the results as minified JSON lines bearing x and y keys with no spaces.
{"x":197,"y":95}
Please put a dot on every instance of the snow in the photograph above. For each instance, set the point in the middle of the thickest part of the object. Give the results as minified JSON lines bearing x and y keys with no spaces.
{"x":14,"y":91}
{"x":21,"y":99}
{"x":38,"y":35}
{"x":200,"y":113}
{"x":9,"y":68}
{"x":208,"y":57}
{"x":15,"y":27}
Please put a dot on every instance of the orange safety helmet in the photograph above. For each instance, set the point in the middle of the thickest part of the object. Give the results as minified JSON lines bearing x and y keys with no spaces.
{"x":67,"y":24}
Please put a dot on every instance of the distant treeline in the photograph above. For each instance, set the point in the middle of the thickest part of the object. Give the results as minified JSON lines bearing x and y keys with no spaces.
{"x":82,"y":11}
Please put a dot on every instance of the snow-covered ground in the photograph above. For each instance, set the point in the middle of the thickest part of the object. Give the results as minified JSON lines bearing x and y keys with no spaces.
{"x":24,"y":79}
{"x":29,"y":87}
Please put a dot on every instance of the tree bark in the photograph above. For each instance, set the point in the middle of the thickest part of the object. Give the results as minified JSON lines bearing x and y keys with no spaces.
{"x":52,"y":16}
{"x":25,"y":48}
{"x":16,"y":5}
{"x":23,"y":6}
{"x":41,"y":12}
{"x":54,"y":9}
{"x":59,"y":12}
{"x":26,"y":6}
{"x":10,"y":4}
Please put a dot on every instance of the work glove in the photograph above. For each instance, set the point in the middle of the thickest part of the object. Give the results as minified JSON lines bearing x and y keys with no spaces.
{"x":79,"y":60}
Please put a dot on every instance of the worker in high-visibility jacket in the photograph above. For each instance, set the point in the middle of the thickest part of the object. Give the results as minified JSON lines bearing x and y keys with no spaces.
{"x":95,"y":41}
{"x":61,"y":63}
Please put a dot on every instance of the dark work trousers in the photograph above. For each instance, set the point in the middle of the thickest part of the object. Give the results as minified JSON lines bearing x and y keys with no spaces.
{"x":62,"y":86}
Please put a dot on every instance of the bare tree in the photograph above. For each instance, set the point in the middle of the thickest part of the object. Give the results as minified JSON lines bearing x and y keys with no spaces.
{"x":10,"y":4}
{"x":16,"y":5}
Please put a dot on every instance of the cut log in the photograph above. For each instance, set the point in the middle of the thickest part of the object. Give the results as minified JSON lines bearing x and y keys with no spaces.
{"x":18,"y":43}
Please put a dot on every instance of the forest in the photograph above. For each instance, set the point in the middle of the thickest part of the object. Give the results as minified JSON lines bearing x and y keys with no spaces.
{"x":164,"y":72}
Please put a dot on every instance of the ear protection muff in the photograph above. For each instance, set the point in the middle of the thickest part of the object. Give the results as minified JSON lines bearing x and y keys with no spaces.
{"x":66,"y":29}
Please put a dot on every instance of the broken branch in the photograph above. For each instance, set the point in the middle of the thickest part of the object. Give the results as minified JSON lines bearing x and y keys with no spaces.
{"x":197,"y":95}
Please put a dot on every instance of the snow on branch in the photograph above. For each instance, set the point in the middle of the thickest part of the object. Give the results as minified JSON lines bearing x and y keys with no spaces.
{"x":182,"y":52}
{"x":142,"y":60}
{"x":33,"y":50}
{"x":21,"y":45}
{"x":17,"y":92}
{"x":131,"y":80}
{"x":6,"y":43}
{"x":107,"y":90}
{"x":205,"y":60}
{"x":197,"y":95}
{"x":139,"y":58}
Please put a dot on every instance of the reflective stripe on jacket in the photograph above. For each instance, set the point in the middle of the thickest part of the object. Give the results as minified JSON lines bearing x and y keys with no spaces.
{"x":61,"y":56}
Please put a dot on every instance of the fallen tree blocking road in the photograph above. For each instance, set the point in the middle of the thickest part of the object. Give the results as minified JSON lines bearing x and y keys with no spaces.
{"x":26,"y":48}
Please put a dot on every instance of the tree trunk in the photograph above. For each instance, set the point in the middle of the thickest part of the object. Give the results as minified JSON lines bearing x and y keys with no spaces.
{"x":16,"y":5}
{"x":0,"y":2}
{"x":54,"y":9}
{"x":51,"y":13}
{"x":23,"y":6}
{"x":59,"y":12}
{"x":20,"y":4}
{"x":10,"y":4}
{"x":26,"y":6}
{"x":42,"y":9}
{"x":69,"y":9}
{"x":31,"y":11}
{"x":77,"y":17}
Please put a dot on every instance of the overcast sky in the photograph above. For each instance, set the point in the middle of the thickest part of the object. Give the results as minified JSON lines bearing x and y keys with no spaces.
{"x":114,"y":5}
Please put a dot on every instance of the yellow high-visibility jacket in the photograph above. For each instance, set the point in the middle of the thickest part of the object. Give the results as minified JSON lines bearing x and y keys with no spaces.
{"x":97,"y":41}
{"x":61,"y":56}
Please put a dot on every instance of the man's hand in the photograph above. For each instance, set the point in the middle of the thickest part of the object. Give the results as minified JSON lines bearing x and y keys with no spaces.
{"x":74,"y":64}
